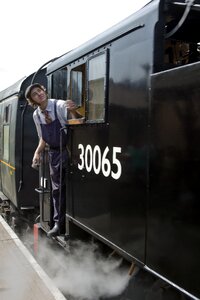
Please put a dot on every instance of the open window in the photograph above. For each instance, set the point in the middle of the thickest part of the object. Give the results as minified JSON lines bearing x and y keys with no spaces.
{"x":85,"y":82}
{"x":77,"y":89}
{"x":182,"y":35}
{"x":88,"y":88}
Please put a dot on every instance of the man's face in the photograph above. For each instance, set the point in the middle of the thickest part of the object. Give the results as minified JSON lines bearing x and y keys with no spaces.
{"x":38,"y":95}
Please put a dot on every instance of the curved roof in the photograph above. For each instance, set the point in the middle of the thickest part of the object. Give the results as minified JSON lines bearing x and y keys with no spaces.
{"x":12,"y":90}
{"x":131,"y":23}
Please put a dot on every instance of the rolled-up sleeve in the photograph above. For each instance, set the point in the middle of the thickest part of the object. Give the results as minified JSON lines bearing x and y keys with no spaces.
{"x":62,"y":111}
{"x":37,"y":124}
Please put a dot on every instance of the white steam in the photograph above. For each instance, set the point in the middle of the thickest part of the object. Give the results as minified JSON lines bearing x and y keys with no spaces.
{"x":84,"y":273}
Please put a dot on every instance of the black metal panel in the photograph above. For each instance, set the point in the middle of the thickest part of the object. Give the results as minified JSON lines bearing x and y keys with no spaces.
{"x":27,"y":141}
{"x":173,"y":223}
{"x":116,"y":209}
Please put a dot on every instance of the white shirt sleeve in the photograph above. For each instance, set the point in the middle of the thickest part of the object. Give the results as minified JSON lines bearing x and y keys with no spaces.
{"x":62,"y":112}
{"x":37,"y":124}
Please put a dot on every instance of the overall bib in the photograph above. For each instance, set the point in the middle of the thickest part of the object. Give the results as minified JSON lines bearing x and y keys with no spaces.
{"x":57,"y":160}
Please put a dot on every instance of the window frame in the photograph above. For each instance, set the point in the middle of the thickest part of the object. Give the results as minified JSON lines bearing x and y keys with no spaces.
{"x":6,"y":132}
{"x":82,"y":65}
{"x":105,"y":92}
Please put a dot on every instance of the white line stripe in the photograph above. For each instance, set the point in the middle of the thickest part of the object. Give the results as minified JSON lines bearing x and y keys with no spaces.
{"x":44,"y":277}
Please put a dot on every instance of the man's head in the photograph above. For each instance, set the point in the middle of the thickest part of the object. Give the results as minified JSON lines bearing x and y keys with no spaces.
{"x":33,"y":94}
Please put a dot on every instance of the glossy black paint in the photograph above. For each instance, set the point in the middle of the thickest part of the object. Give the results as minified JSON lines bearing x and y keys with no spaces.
{"x":173,"y":240}
{"x":116,"y":209}
{"x":150,"y":213}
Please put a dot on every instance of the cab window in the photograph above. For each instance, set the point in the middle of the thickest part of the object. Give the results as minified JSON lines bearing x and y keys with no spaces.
{"x":96,"y":88}
{"x":59,"y":84}
{"x":85,"y":84}
{"x":88,"y":88}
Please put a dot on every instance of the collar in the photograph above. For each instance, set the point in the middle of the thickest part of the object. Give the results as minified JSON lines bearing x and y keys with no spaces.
{"x":49,"y":107}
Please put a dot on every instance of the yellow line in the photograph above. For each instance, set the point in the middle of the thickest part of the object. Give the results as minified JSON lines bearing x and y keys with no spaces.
{"x":3,"y":162}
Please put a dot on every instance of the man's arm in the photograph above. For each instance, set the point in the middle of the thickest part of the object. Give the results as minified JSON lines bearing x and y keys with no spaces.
{"x":39,"y":149}
{"x":71,"y":107}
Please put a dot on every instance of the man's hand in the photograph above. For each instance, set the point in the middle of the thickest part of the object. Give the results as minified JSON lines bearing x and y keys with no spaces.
{"x":71,"y":106}
{"x":36,"y":159}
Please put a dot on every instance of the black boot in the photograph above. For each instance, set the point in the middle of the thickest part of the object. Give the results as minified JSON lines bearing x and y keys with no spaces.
{"x":54,"y":231}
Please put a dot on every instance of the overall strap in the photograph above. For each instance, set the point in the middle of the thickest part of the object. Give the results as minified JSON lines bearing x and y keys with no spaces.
{"x":55,"y":108}
{"x":55,"y":111}
{"x":38,"y":116}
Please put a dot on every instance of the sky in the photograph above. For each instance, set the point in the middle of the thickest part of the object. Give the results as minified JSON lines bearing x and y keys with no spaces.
{"x":35,"y":31}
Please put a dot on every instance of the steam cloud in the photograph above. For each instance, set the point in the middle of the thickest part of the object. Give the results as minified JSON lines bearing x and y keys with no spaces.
{"x":85,"y":273}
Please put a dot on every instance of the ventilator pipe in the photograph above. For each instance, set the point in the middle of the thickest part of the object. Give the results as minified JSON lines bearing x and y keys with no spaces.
{"x":182,"y":20}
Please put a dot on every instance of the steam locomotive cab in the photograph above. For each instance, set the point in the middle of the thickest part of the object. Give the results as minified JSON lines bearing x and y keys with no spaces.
{"x":108,"y":79}
{"x":134,"y":155}
{"x":132,"y":179}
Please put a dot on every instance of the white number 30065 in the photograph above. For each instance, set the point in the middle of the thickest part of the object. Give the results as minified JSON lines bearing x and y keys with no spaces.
{"x":98,"y":161}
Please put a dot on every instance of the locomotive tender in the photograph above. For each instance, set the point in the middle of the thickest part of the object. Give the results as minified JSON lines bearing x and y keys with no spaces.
{"x":134,"y":165}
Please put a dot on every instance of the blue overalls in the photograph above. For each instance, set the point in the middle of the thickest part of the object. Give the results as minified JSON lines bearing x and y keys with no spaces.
{"x":51,"y":135}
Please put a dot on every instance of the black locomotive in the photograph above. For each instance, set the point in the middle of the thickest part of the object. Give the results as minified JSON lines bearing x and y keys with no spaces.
{"x":134,"y":167}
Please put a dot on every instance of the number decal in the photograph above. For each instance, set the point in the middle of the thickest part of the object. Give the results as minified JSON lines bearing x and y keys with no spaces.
{"x":81,"y":166}
{"x":105,"y":163}
{"x":88,"y":158}
{"x":94,"y":159}
{"x":117,"y":163}
{"x":97,"y":160}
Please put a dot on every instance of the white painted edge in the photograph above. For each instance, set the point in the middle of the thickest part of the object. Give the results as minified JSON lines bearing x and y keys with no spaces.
{"x":41,"y":273}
